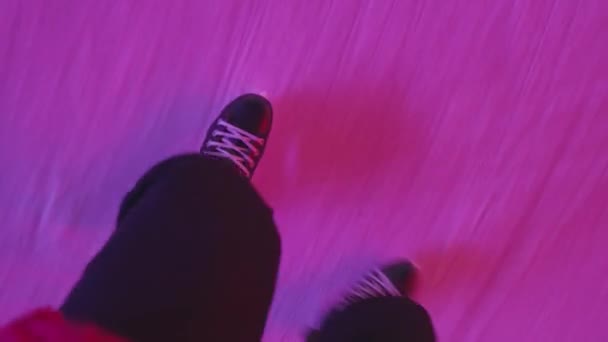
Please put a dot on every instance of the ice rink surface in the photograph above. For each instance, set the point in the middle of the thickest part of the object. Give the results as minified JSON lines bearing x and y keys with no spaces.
{"x":470,"y":136}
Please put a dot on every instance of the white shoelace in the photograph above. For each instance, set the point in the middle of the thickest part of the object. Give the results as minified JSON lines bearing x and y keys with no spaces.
{"x":375,"y":284}
{"x":226,"y":146}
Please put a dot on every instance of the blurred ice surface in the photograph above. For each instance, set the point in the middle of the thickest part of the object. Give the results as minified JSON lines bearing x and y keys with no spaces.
{"x":471,"y":136}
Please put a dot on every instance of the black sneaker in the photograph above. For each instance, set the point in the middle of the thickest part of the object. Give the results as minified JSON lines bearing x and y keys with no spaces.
{"x":240,"y":132}
{"x":398,"y":320}
{"x":393,"y":280}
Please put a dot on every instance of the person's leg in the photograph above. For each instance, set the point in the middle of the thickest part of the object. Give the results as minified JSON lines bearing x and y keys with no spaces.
{"x":378,"y":309}
{"x":195,"y":252}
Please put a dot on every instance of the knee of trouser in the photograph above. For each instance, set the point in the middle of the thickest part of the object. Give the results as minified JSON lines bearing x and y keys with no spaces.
{"x":193,"y":167}
{"x":214,"y":183}
{"x":194,"y":170}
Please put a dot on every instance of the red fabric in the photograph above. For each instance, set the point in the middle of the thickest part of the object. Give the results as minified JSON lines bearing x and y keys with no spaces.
{"x":46,"y":325}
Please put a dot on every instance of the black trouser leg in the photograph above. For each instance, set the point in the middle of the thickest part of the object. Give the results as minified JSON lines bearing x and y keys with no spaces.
{"x":194,"y":256}
{"x":386,"y":319}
